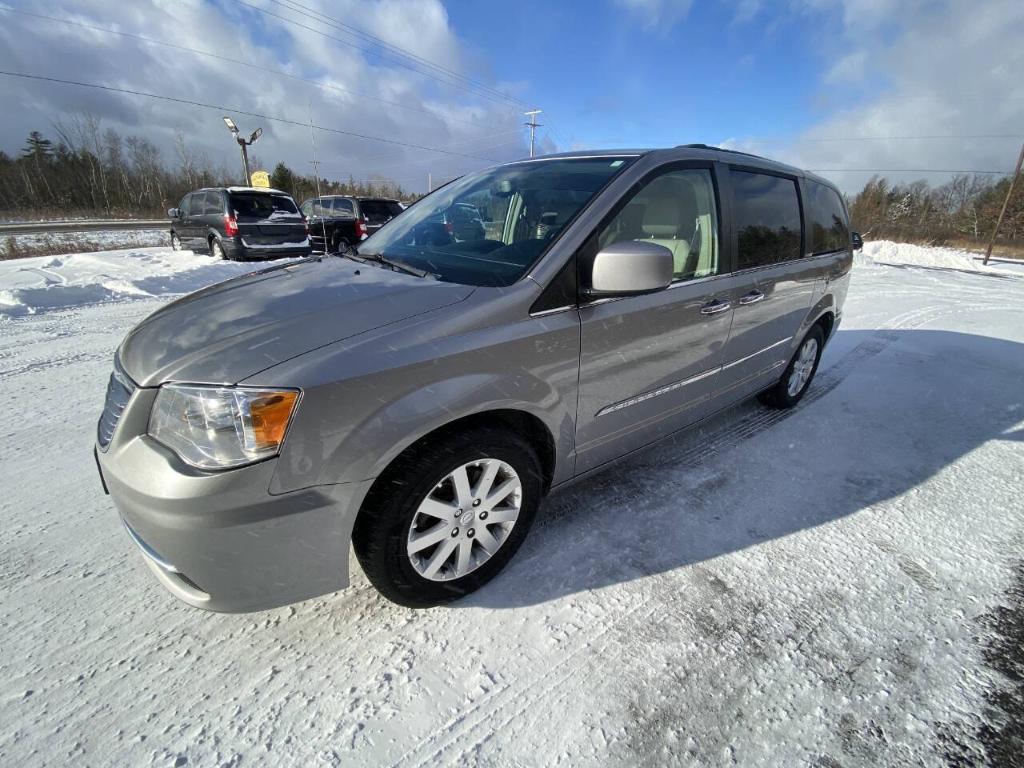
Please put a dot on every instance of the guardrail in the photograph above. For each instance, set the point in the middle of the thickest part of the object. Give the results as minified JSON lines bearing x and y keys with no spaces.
{"x":92,"y":225}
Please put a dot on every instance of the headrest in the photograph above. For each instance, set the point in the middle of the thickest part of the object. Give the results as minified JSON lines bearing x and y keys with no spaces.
{"x":662,"y":217}
{"x":671,"y":208}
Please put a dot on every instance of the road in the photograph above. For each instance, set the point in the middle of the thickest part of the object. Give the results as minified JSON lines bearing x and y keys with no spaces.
{"x":838,"y":585}
{"x":94,"y":225}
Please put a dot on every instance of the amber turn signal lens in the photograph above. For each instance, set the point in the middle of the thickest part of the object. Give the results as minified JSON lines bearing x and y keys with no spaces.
{"x":270,"y":415}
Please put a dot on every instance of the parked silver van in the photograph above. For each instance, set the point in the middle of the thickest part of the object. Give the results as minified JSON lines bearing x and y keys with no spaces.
{"x":416,"y":399}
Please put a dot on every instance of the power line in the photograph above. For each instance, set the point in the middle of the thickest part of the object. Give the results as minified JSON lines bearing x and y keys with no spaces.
{"x":497,"y":96}
{"x":897,"y":170}
{"x":198,"y":52}
{"x":295,"y":6}
{"x":222,"y":108}
{"x":883,"y":138}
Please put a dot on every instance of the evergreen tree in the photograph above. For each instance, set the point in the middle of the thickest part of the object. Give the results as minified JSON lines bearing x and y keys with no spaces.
{"x":37,"y":147}
{"x":282,"y":178}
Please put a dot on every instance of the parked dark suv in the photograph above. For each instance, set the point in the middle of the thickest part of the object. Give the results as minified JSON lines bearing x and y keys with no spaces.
{"x":374,"y":212}
{"x":333,"y":227}
{"x":240,"y":223}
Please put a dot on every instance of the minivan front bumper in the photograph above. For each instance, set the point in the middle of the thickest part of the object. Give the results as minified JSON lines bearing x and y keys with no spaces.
{"x":220,"y":540}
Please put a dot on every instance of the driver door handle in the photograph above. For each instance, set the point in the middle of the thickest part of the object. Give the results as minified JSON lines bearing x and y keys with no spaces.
{"x":752,"y":298}
{"x":714,"y":307}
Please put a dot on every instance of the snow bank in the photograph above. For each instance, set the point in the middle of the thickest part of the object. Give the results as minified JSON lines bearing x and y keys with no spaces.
{"x":907,"y":254}
{"x":30,"y":286}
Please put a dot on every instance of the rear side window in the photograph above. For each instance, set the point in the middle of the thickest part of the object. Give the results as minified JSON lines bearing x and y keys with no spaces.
{"x":319,"y":207}
{"x":767,"y":215}
{"x":343,"y":206}
{"x":214,"y":203}
{"x":379,"y":211}
{"x":255,"y":205}
{"x":828,"y":229}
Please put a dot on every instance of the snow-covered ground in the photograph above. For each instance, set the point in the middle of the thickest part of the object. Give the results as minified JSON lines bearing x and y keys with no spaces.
{"x":44,"y":283}
{"x":813,"y":587}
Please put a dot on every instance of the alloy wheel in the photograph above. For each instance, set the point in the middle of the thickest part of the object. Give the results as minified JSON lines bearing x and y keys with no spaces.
{"x":465,"y":519}
{"x":803,"y":367}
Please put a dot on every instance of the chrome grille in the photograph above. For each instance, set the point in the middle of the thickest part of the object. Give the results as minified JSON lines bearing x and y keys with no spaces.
{"x":119,"y":392}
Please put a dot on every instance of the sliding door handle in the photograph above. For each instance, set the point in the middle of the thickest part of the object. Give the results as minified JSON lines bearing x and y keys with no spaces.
{"x":714,"y":307}
{"x":752,"y":298}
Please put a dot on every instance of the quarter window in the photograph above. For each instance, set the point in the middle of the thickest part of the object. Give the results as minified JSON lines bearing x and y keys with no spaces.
{"x":767,"y":215}
{"x":828,"y":230}
{"x":675,"y":210}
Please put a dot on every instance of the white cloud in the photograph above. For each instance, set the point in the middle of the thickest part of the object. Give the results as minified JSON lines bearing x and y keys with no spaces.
{"x":359,"y":84}
{"x":943,"y":70}
{"x":657,"y":15}
{"x":851,"y":68}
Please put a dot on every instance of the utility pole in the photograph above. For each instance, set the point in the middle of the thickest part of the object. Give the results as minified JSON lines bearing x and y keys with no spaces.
{"x":533,"y":125}
{"x":243,"y":143}
{"x":1006,"y":202}
{"x":430,"y":183}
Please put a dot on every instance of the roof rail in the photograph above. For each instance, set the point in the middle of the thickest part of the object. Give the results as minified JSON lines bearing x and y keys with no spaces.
{"x":719,"y":149}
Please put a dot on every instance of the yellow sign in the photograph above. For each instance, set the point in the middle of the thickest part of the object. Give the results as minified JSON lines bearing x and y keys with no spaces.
{"x":261,"y":179}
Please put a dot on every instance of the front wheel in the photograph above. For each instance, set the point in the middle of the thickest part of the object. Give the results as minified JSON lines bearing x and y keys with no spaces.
{"x":175,"y":242}
{"x":447,"y":516}
{"x":799,"y":373}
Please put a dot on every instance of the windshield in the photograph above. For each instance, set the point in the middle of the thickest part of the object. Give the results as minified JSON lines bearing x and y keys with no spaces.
{"x":488,"y":228}
{"x":257,"y":205}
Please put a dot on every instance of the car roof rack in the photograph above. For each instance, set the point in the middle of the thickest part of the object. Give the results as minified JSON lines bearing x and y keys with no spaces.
{"x":720,"y":149}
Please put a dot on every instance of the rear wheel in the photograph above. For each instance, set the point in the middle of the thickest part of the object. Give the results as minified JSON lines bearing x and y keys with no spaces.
{"x":447,"y":516}
{"x":798,"y":374}
{"x":216,"y":249}
{"x":339,"y":245}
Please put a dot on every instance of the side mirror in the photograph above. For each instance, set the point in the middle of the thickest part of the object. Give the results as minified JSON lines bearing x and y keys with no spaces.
{"x":856,"y":241}
{"x":173,"y":213}
{"x":630,"y":268}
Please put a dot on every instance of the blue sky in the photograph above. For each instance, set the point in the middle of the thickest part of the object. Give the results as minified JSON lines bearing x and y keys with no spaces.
{"x":601,"y":73}
{"x":846,"y":85}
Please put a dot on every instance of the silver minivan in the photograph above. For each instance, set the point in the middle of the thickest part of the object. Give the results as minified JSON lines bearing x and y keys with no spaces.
{"x":416,"y":399}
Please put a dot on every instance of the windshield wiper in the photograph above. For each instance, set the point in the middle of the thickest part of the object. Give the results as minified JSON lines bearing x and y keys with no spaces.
{"x":389,"y":262}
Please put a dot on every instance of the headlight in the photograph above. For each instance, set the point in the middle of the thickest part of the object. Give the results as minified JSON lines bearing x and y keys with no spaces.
{"x":221,"y":427}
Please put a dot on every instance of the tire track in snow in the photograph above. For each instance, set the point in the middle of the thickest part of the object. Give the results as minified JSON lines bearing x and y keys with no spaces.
{"x":482,"y":713}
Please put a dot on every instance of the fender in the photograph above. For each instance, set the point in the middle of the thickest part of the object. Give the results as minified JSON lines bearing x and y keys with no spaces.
{"x":530,"y":367}
{"x":463,"y":396}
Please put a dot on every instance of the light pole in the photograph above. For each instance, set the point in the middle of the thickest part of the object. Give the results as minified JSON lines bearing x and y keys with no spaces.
{"x":533,"y":126}
{"x":243,"y":143}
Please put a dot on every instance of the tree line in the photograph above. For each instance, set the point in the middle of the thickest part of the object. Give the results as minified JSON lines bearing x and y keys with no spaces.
{"x":965,"y":208}
{"x":90,"y":171}
{"x":86,"y":170}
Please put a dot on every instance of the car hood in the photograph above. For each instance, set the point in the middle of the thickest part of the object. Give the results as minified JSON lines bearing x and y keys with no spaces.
{"x":235,"y":329}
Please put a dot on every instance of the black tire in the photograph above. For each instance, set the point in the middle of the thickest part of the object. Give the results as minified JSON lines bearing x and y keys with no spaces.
{"x":380,"y":537}
{"x":339,"y":245}
{"x":175,"y":242}
{"x":779,"y":396}
{"x":217,"y":250}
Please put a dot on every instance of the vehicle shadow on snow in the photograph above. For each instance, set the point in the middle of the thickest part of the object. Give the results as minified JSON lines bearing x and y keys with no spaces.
{"x":880,"y":419}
